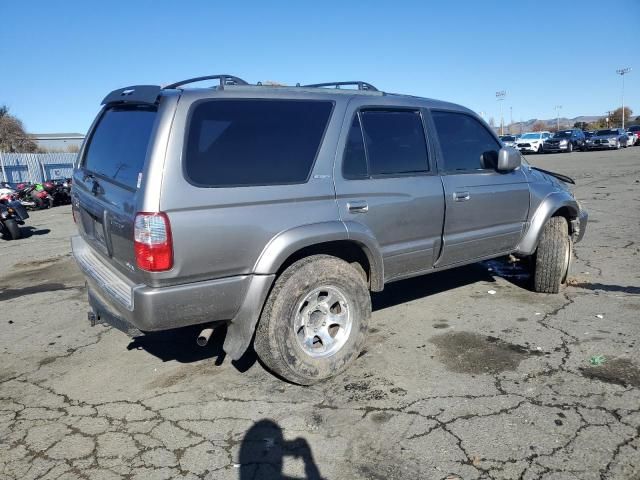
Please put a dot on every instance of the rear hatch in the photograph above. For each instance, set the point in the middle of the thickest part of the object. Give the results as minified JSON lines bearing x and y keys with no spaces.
{"x":107,"y":182}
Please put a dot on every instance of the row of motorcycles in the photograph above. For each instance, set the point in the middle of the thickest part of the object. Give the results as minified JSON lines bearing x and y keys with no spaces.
{"x":15,"y":201}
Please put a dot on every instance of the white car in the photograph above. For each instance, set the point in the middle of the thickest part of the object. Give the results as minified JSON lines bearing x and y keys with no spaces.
{"x":532,"y":142}
{"x":632,"y":138}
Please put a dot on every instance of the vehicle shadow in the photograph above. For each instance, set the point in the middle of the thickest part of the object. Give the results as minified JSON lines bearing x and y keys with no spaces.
{"x":608,"y":288}
{"x":437,"y":282}
{"x":30,"y":231}
{"x":263,"y":450}
{"x":180,"y":345}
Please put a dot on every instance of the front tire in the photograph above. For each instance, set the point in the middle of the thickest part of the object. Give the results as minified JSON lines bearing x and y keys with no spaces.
{"x":315,"y":321}
{"x":13,"y":231}
{"x":553,"y":256}
{"x":570,"y":147}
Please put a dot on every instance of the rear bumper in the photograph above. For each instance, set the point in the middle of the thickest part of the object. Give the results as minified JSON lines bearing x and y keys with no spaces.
{"x":116,"y":300}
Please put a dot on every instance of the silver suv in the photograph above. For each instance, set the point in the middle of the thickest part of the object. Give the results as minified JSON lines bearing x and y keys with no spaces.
{"x":279,"y":209}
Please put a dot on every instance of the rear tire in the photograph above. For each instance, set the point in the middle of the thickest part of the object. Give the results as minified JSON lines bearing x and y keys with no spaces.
{"x":13,"y":231}
{"x":553,"y":256}
{"x":318,"y":294}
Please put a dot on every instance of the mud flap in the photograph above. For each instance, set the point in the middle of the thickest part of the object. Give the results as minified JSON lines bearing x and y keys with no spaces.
{"x":241,"y":328}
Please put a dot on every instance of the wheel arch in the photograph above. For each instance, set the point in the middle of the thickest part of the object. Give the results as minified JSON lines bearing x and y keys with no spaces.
{"x":556,"y":204}
{"x":330,"y":238}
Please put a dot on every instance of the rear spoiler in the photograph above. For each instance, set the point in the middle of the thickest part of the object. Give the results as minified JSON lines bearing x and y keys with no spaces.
{"x":135,"y":94}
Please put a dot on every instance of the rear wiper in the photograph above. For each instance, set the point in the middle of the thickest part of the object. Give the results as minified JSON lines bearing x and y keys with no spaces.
{"x":559,"y":176}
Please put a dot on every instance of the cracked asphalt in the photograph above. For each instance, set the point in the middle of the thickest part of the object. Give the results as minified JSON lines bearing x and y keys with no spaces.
{"x":455,"y":383}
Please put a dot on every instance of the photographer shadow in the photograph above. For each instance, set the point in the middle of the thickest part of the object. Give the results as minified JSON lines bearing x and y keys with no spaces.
{"x":264,"y":449}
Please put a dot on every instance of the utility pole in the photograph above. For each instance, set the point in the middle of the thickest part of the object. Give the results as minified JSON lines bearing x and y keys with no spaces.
{"x":500,"y":97}
{"x":622,"y":72}
{"x":510,"y":119}
{"x":558,"y":107}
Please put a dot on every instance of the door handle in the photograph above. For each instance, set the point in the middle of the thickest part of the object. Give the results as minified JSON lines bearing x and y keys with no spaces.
{"x":461,"y":196}
{"x":358,"y":206}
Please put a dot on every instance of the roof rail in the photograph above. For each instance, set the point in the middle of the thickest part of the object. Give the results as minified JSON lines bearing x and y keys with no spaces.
{"x":361,"y":85}
{"x":224,"y":80}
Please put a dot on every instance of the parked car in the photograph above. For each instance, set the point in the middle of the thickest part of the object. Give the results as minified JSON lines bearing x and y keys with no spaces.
{"x":565,"y":141}
{"x":532,"y":142}
{"x":609,"y":138}
{"x":508,"y":140}
{"x":277,"y":210}
{"x":635,"y":130}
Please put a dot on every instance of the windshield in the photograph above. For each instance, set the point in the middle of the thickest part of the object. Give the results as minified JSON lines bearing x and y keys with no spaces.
{"x":588,"y":134}
{"x":607,"y":132}
{"x":530,"y":136}
{"x":507,"y":138}
{"x":562,"y":134}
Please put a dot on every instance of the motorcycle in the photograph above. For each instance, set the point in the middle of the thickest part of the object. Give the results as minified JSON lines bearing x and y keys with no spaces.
{"x":59,"y":190}
{"x":34,"y":196}
{"x":12,"y":214}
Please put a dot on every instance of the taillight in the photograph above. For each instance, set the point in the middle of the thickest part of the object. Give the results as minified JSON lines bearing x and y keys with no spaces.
{"x":152,"y":242}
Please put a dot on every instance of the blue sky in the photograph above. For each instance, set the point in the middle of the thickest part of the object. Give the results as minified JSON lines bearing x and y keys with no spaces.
{"x":60,"y":58}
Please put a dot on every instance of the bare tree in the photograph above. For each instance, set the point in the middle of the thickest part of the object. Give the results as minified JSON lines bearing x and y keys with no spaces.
{"x":13,"y":138}
{"x":538,"y":126}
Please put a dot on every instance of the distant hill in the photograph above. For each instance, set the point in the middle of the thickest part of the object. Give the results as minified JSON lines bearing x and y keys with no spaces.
{"x":552,"y":122}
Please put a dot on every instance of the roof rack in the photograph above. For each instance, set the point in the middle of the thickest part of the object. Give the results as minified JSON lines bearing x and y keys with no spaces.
{"x":361,"y":85}
{"x":224,"y":80}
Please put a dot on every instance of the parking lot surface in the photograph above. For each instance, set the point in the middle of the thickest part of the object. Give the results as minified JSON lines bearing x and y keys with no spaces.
{"x":455,"y":382}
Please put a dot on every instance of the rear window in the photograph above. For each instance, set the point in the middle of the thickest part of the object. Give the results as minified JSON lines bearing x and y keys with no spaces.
{"x":254,"y":142}
{"x":118,"y":145}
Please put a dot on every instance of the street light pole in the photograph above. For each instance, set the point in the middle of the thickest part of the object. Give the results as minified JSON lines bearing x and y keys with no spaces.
{"x":510,"y":120}
{"x":500,"y":97}
{"x":558,"y":107}
{"x":622,"y":72}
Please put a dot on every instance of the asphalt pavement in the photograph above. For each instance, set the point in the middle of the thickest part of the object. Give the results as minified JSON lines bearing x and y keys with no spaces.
{"x":455,"y":381}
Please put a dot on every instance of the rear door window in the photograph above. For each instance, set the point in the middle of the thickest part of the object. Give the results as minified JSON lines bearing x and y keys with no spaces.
{"x":254,"y":142}
{"x":385,"y":142}
{"x":395,"y":142}
{"x":465,"y":143}
{"x":118,"y":146}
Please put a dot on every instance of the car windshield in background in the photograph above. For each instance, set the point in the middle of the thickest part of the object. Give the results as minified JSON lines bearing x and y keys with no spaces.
{"x":588,"y":134}
{"x":562,"y":135}
{"x":607,"y":132}
{"x":530,"y":135}
{"x":508,"y":138}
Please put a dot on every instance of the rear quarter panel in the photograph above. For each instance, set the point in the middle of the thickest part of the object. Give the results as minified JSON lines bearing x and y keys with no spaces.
{"x":221,"y":232}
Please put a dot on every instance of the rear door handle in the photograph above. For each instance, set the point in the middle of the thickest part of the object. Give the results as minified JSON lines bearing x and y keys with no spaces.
{"x":358,"y":206}
{"x":461,"y":196}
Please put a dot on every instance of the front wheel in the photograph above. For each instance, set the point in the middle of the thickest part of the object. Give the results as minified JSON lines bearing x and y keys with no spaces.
{"x":13,"y":231}
{"x":553,"y":256}
{"x":570,"y":147}
{"x":315,"y":321}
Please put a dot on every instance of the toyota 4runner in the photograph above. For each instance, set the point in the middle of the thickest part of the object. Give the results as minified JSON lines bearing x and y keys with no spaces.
{"x":279,"y":209}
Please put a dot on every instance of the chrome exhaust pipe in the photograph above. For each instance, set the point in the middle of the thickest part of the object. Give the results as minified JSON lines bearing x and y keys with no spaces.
{"x":204,"y":336}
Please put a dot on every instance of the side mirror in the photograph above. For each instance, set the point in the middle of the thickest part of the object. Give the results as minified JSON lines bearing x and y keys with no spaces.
{"x":508,"y":159}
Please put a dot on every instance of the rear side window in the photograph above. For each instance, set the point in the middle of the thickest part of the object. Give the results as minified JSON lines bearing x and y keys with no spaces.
{"x":354,"y":164}
{"x":385,"y":142}
{"x":118,"y":145}
{"x":465,"y":143}
{"x":254,"y":142}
